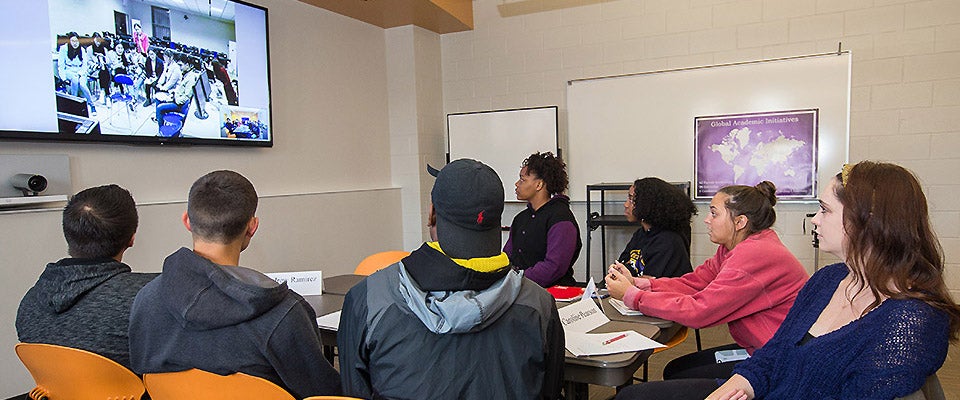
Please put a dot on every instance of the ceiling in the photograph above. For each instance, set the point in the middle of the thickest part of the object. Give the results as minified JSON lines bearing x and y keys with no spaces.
{"x":218,"y":9}
{"x":440,"y":16}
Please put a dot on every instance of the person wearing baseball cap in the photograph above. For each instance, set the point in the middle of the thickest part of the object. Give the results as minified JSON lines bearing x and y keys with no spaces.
{"x":453,"y":319}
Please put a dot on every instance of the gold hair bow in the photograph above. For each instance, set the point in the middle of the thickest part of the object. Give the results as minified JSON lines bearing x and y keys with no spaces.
{"x":845,"y":174}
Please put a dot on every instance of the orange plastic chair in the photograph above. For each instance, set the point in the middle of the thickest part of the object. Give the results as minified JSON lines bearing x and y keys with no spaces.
{"x":677,"y":338}
{"x":378,"y":261}
{"x":68,"y":373}
{"x":199,"y":384}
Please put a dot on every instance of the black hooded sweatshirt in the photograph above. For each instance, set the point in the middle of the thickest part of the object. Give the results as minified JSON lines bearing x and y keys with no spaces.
{"x":226,"y":319}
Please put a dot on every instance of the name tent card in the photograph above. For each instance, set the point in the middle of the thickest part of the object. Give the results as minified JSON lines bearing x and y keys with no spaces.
{"x":582,"y":316}
{"x":305,"y":283}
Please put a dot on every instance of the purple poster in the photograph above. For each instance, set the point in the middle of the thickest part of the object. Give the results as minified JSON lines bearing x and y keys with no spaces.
{"x":745,"y":149}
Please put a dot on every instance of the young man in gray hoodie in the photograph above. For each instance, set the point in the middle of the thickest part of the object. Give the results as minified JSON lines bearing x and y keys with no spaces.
{"x":84,"y":301}
{"x":453,"y":320}
{"x":207,"y":312}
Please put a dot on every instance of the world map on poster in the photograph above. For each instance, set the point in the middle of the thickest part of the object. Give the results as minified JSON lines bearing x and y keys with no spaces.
{"x":747,"y":149}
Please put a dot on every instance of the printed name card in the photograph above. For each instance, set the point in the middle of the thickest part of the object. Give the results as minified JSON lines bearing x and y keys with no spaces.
{"x":582,"y":316}
{"x":305,"y":283}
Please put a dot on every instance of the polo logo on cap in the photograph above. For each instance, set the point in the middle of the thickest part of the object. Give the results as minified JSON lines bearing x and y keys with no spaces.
{"x":480,"y":218}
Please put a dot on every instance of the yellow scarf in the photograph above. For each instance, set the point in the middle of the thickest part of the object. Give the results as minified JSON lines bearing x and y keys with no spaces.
{"x":482,"y":264}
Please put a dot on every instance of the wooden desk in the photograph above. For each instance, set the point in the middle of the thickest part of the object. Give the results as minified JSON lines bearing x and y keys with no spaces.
{"x":606,"y":370}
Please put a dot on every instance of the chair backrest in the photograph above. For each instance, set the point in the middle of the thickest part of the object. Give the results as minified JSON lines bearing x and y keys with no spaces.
{"x":199,"y":384}
{"x":332,"y":398}
{"x":931,"y":390}
{"x":378,"y":261}
{"x":68,"y":373}
{"x":677,"y":338}
{"x":123,"y":79}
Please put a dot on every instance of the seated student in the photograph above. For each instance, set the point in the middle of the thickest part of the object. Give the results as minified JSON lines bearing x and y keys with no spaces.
{"x":874,"y":326}
{"x":749,"y":284}
{"x":182,"y":94}
{"x":84,"y":301}
{"x":544,"y":238}
{"x":171,"y":73}
{"x":661,"y":247}
{"x":453,"y":320}
{"x":206,"y":312}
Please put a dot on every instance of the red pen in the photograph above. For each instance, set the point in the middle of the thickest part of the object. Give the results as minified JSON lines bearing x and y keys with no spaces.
{"x":614,"y":339}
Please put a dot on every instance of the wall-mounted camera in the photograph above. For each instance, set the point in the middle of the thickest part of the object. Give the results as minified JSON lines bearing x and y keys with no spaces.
{"x":29,"y":184}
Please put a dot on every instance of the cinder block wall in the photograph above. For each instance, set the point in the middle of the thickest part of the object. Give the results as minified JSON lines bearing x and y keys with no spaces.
{"x":906,"y":73}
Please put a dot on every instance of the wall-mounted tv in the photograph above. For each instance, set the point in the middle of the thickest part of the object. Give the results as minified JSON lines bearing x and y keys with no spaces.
{"x":135,"y":71}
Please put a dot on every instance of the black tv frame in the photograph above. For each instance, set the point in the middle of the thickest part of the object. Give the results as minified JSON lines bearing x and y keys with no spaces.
{"x":96,"y":138}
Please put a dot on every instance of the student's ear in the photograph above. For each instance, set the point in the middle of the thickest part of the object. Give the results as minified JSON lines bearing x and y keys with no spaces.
{"x":252,"y":226}
{"x":186,"y":221}
{"x":131,"y":240}
{"x":741,"y":222}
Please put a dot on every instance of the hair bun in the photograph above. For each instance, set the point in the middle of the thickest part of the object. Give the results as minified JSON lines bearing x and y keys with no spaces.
{"x":768,"y":190}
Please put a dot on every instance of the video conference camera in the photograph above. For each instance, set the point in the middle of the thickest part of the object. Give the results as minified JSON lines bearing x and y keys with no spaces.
{"x":29,"y":184}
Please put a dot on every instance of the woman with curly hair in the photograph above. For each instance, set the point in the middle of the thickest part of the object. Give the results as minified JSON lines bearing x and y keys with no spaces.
{"x":749,"y":284}
{"x":544,"y":238}
{"x":661,"y":247}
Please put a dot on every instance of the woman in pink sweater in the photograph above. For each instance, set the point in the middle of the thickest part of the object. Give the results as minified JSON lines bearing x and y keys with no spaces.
{"x":749,"y":284}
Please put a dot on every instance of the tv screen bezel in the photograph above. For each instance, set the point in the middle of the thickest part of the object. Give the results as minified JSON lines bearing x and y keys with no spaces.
{"x":67,"y":137}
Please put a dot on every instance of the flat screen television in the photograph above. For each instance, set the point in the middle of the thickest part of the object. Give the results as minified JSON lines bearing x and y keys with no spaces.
{"x":135,"y":71}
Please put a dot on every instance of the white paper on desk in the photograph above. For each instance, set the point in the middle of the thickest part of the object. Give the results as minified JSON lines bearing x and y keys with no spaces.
{"x":622,"y":308}
{"x":592,"y":344}
{"x":305,"y":283}
{"x":582,"y":316}
{"x":591,"y":290}
{"x":329,"y":321}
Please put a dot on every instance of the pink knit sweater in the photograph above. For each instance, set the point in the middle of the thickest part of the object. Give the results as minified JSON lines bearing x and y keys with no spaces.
{"x":750,"y":287}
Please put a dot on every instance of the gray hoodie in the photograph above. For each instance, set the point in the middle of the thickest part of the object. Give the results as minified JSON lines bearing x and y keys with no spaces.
{"x":84,"y":304}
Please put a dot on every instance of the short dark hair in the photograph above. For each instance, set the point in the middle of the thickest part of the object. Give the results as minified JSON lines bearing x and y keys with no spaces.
{"x":756,"y":202}
{"x":99,"y":222}
{"x":663,"y":206}
{"x":551,"y":169}
{"x":220,"y":205}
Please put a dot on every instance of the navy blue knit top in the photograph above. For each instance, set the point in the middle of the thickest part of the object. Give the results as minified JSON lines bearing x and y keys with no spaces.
{"x":887,"y":353}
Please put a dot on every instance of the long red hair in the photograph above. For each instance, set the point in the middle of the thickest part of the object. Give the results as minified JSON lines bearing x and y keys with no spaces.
{"x":891,"y":246}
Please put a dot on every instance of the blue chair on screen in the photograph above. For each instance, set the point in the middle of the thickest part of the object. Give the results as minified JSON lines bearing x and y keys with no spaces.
{"x":172,"y":122}
{"x":124,"y":96}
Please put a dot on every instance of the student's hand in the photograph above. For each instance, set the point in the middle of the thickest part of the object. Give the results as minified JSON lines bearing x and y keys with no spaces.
{"x":735,"y":388}
{"x":617,"y":265}
{"x":738,"y":394}
{"x":617,"y":282}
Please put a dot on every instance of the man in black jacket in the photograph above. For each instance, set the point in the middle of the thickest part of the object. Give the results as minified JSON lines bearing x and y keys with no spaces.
{"x":205,"y":311}
{"x":84,"y":301}
{"x":453,"y":320}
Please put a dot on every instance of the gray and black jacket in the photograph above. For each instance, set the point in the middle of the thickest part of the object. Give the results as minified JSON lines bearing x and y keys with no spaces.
{"x":429,"y":328}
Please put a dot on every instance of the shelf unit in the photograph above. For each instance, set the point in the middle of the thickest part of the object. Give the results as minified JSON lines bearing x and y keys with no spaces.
{"x":598,"y":218}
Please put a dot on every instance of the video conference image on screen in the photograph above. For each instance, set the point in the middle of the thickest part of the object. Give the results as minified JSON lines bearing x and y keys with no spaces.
{"x":127,"y":68}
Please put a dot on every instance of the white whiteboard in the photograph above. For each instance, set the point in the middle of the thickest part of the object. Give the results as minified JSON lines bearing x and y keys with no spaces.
{"x":632,"y":126}
{"x":502,"y":139}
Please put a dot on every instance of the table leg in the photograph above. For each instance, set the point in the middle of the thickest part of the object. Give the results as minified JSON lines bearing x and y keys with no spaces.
{"x":328,"y":353}
{"x":576,"y":390}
